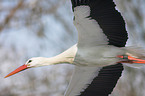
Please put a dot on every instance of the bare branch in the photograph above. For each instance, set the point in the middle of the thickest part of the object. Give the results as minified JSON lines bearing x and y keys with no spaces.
{"x":10,"y":15}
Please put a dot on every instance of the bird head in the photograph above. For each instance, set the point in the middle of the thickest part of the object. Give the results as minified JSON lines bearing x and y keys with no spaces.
{"x":33,"y":62}
{"x":37,"y":62}
{"x":65,"y":57}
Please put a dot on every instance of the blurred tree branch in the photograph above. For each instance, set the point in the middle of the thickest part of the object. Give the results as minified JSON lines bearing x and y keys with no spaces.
{"x":29,"y":14}
{"x":11,"y":14}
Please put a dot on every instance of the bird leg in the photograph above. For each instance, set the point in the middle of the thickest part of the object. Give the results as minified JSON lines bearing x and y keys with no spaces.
{"x":130,"y":59}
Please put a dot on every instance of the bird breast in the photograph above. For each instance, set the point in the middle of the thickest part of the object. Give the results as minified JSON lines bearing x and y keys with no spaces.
{"x":98,"y":56}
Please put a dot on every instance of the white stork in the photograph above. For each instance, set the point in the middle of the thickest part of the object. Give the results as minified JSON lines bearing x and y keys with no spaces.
{"x":99,"y":52}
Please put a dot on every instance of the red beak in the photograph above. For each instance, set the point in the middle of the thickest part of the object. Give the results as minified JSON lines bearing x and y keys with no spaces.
{"x":21,"y":68}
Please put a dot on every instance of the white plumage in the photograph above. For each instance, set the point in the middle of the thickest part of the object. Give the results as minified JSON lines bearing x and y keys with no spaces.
{"x":88,"y":38}
{"x":77,"y":84}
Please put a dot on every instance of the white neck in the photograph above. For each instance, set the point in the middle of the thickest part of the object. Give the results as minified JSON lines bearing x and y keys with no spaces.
{"x":65,"y":57}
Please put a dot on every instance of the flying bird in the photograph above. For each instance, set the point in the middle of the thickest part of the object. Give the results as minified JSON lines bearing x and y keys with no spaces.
{"x":100,"y":52}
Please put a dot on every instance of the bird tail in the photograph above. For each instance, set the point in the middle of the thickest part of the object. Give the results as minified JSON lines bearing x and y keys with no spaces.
{"x":136,"y":52}
{"x":134,"y":57}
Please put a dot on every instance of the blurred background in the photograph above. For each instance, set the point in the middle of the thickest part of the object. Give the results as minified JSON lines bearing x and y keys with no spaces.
{"x":31,"y":28}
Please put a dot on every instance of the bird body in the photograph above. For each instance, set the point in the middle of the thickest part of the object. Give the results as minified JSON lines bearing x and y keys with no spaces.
{"x":99,"y":53}
{"x":98,"y":56}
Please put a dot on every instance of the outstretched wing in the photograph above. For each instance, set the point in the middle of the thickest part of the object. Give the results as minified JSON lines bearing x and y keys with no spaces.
{"x":98,"y":22}
{"x":81,"y":78}
{"x":92,"y":81}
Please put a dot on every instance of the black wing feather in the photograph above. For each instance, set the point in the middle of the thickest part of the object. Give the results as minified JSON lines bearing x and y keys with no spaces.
{"x":109,"y":19}
{"x":113,"y":26}
{"x":104,"y":83}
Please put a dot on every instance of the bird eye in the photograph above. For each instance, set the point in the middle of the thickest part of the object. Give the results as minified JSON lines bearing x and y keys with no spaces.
{"x":29,"y":61}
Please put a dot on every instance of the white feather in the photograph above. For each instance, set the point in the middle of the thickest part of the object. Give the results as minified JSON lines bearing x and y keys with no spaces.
{"x":88,"y":28}
{"x":81,"y":78}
